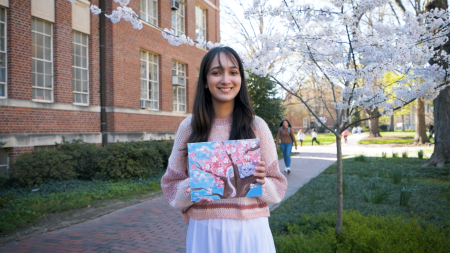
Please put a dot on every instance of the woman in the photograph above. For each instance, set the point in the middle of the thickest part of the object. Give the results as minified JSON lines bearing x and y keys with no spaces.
{"x":300,"y":137}
{"x":222,"y":111}
{"x":286,"y":138}
{"x":345,"y":133}
{"x":314,"y":137}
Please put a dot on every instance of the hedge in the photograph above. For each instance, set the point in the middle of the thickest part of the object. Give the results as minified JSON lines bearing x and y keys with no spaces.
{"x":80,"y":160}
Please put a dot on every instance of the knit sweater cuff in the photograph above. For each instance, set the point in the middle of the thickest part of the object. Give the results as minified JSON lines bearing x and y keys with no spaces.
{"x":270,"y":194}
{"x":182,"y":199}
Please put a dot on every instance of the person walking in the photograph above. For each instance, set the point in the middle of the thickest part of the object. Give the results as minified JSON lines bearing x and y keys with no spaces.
{"x":287,"y":138}
{"x":345,"y":133}
{"x":300,"y":137}
{"x":430,"y":131}
{"x":314,"y":137}
{"x":222,"y":111}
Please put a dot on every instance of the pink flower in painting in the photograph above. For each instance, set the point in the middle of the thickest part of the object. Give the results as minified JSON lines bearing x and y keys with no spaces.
{"x":191,"y":154}
{"x":214,"y":159}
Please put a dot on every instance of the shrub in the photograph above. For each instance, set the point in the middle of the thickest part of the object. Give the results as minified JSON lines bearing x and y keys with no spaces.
{"x":405,"y":154}
{"x":384,"y":128}
{"x":39,"y":166}
{"x":79,"y":160}
{"x":395,"y":155}
{"x":397,"y":175}
{"x":315,"y":233}
{"x":405,"y":195}
{"x":360,"y":158}
{"x":420,"y":154}
{"x":383,"y":154}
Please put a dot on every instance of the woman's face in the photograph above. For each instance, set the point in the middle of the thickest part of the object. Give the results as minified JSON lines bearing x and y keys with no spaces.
{"x":224,"y":82}
{"x":285,"y":124}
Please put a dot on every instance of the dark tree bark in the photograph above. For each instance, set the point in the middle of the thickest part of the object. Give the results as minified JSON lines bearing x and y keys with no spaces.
{"x":373,"y":123}
{"x":403,"y":123}
{"x":421,"y":131}
{"x":391,"y":125}
{"x":441,"y":111}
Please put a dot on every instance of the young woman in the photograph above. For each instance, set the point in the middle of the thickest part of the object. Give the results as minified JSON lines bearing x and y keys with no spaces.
{"x":300,"y":137}
{"x":222,"y":111}
{"x":345,"y":133}
{"x":286,"y":137}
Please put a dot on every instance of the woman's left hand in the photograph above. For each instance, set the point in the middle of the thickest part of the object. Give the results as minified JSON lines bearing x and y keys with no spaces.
{"x":260,"y":172}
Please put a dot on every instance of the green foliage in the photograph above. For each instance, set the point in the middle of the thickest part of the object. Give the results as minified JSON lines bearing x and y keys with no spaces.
{"x":371,"y":233}
{"x":405,"y":195}
{"x":420,"y":154}
{"x":6,"y":198}
{"x":397,"y":175}
{"x":360,"y":158}
{"x":79,"y":160}
{"x":266,"y":105}
{"x":394,"y":155}
{"x":383,"y":128}
{"x":404,"y":154}
{"x":57,"y":196}
{"x":355,"y":117}
{"x":383,"y":154}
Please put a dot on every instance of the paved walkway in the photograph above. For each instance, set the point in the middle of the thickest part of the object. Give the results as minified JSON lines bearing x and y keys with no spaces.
{"x":154,"y":226}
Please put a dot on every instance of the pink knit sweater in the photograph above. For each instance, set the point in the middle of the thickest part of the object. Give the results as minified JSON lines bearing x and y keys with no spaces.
{"x":175,"y":181}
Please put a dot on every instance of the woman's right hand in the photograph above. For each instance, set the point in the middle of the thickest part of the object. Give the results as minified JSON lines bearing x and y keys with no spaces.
{"x":201,"y":201}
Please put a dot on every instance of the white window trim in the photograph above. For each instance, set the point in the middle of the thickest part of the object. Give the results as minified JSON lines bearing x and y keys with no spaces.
{"x":6,"y":55}
{"x":7,"y":163}
{"x":87,"y":68}
{"x":182,"y":5}
{"x":185,"y":74}
{"x":204,"y":24}
{"x":147,"y":80}
{"x":51,"y":57}
{"x":146,"y":13}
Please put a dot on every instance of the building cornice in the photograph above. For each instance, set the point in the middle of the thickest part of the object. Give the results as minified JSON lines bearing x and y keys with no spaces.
{"x":50,"y":106}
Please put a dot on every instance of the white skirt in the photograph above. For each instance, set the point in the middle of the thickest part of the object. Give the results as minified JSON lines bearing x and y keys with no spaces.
{"x":229,"y":236}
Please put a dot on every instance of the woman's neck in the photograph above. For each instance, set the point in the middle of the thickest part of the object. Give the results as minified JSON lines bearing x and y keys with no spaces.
{"x":223,"y":110}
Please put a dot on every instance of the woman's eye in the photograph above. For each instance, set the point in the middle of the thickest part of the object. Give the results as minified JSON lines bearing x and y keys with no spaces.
{"x":234,"y":73}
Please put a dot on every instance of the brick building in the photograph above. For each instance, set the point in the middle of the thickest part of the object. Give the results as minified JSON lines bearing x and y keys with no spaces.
{"x":50,"y":71}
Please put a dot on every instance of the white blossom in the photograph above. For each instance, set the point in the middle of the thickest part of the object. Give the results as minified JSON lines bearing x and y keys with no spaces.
{"x":95,"y":10}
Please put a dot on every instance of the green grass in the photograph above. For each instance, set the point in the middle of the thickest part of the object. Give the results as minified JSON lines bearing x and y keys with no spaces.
{"x":427,"y":205}
{"x":324,"y":139}
{"x":407,"y":137}
{"x":28,"y":207}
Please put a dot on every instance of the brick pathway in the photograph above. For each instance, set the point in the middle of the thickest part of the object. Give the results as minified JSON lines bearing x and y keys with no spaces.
{"x":152,"y":226}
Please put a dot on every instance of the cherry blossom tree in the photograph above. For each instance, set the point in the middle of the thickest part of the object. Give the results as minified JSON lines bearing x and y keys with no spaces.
{"x":352,"y":46}
{"x":226,"y":168}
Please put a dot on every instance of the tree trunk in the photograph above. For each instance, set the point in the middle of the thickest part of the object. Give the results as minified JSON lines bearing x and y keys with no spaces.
{"x":391,"y":125}
{"x":441,"y":110}
{"x":421,"y":131}
{"x":441,"y":153}
{"x":403,"y":123}
{"x":339,"y":196}
{"x":373,"y":123}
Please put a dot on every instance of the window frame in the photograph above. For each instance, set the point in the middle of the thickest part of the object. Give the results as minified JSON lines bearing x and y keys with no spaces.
{"x":305,"y":120}
{"x":7,"y":161}
{"x":87,"y":69}
{"x":6,"y":53}
{"x":51,"y":61}
{"x":147,"y":80}
{"x":176,"y":31}
{"x":147,"y":14}
{"x":203,"y":11}
{"x":176,"y":89}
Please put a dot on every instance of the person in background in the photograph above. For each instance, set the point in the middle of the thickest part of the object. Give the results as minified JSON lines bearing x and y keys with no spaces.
{"x":345,"y":133}
{"x":286,"y":137}
{"x":314,"y":137}
{"x":354,"y":130}
{"x":430,"y":131}
{"x":300,"y":137}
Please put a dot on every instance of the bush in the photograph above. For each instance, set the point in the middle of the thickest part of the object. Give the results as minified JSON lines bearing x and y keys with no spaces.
{"x":79,"y":160}
{"x":383,"y":128}
{"x":315,"y":233}
{"x":420,"y":154}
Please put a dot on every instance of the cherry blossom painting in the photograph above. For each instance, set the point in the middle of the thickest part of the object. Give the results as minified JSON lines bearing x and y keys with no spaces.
{"x":224,"y":169}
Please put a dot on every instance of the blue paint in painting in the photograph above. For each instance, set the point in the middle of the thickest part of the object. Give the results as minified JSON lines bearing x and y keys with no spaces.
{"x":256,"y":191}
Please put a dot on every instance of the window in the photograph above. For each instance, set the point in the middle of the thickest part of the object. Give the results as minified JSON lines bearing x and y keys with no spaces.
{"x":3,"y":90}
{"x":149,"y":80}
{"x":179,"y":92}
{"x":80,"y":68}
{"x":200,"y":24}
{"x":42,"y":60}
{"x":178,"y":20}
{"x":305,"y":122}
{"x":4,"y":161}
{"x":48,"y":147}
{"x":149,"y":11}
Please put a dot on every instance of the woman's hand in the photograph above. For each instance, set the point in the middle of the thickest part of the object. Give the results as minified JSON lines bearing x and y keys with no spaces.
{"x":261,"y":172}
{"x":201,"y":201}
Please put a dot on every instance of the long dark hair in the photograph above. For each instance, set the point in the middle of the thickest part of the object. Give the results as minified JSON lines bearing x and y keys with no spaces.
{"x":289,"y":123}
{"x":203,"y":111}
